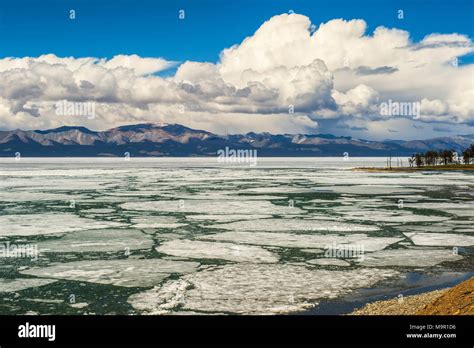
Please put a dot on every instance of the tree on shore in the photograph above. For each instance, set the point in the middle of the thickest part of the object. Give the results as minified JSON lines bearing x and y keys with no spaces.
{"x":431,"y":158}
{"x":446,"y":156}
{"x":468,"y":154}
{"x":443,"y":157}
{"x":419,"y":160}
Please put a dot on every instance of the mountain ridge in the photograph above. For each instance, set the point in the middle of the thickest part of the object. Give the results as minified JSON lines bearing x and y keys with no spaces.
{"x":163,"y":139}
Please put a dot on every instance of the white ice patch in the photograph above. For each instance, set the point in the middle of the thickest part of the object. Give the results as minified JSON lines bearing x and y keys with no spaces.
{"x":18,"y":284}
{"x":424,"y":228}
{"x":216,"y":250}
{"x":463,"y":209}
{"x":226,"y":218}
{"x":442,"y":205}
{"x":35,"y":224}
{"x":329,"y":262}
{"x":409,"y":257}
{"x":304,"y":241}
{"x":254,"y":289}
{"x":366,"y":189}
{"x":159,"y":300}
{"x":294,"y":225}
{"x":276,"y":189}
{"x":109,"y":240}
{"x":460,"y":212}
{"x":440,"y":239}
{"x":221,"y":195}
{"x":464,"y":230}
{"x":19,"y":196}
{"x":212,"y":207}
{"x":98,"y":211}
{"x":156,"y":222}
{"x":399,"y":215}
{"x":127,"y":272}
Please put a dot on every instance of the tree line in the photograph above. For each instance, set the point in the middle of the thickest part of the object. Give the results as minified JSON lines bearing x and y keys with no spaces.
{"x":442,"y":157}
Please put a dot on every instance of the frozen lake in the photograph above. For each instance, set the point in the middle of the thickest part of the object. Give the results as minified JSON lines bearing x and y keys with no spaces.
{"x":191,"y":235}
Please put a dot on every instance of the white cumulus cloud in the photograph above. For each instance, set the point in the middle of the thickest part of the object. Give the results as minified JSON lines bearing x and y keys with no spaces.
{"x":286,"y":77}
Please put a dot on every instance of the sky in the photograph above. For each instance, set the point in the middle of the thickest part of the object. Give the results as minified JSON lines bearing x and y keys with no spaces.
{"x":238,"y":66}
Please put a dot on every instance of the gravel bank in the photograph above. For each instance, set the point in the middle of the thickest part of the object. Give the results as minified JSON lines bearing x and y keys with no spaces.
{"x":458,"y":300}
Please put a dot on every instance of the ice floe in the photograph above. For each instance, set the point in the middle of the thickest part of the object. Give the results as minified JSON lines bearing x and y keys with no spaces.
{"x":98,"y":211}
{"x":109,"y":240}
{"x":440,"y":239}
{"x":294,"y":225}
{"x":383,"y":215}
{"x":329,"y":262}
{"x":247,"y":288}
{"x":216,"y":250}
{"x":19,"y":196}
{"x":408,"y":257}
{"x":366,"y":189}
{"x":18,"y":284}
{"x":276,"y":189}
{"x":227,"y":218}
{"x":37,"y":224}
{"x":150,"y":221}
{"x":303,"y":241}
{"x":212,"y":207}
{"x":126,"y":272}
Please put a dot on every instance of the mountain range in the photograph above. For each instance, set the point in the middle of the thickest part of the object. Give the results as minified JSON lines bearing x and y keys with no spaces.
{"x":152,"y":139}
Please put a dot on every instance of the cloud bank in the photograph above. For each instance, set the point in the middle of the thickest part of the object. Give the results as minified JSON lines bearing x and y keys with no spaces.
{"x":289,"y":76}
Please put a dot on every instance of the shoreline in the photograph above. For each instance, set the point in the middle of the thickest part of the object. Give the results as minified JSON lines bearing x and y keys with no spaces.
{"x":411,"y":284}
{"x":455,"y":300}
{"x":461,"y":167}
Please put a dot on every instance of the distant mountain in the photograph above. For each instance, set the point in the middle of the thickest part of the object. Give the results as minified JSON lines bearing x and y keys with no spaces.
{"x":143,"y":140}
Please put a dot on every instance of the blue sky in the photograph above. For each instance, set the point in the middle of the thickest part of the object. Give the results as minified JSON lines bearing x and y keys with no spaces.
{"x":152,"y":28}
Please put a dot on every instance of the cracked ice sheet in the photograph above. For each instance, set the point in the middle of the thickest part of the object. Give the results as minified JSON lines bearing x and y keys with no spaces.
{"x":98,"y":211}
{"x":441,"y":205}
{"x":94,"y":174}
{"x":254,"y":289}
{"x":329,"y":262}
{"x":390,"y":180}
{"x":294,"y":225}
{"x":38,"y":224}
{"x":221,"y":195}
{"x":462,"y":209}
{"x":227,"y":218}
{"x":212,"y":207}
{"x":13,"y":285}
{"x":128,"y":272}
{"x":67,"y":184}
{"x":399,"y":215}
{"x":277,"y":189}
{"x":156,"y":222}
{"x":464,"y":230}
{"x":217,"y":250}
{"x":366,"y":189}
{"x":19,"y":196}
{"x":303,"y":241}
{"x":109,"y":240}
{"x":440,"y":239}
{"x":408,"y":257}
{"x":424,"y":228}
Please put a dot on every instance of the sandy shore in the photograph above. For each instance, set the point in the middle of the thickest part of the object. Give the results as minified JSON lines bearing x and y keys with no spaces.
{"x":458,"y":300}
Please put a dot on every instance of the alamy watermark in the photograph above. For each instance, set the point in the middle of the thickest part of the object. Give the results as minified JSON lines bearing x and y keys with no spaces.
{"x":80,"y":109}
{"x":345,"y":251}
{"x":399,"y":108}
{"x":228,"y":155}
{"x":8,"y":249}
{"x":28,"y":330}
